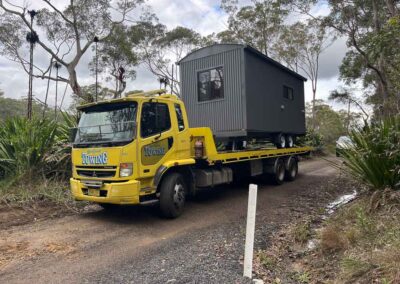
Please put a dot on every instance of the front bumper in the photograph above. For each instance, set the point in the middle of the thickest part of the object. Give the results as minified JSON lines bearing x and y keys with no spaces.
{"x":115,"y":193}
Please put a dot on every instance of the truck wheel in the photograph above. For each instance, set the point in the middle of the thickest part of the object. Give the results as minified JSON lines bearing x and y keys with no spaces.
{"x":280,"y":141}
{"x":292,"y":170}
{"x":289,"y":141}
{"x":172,"y":195}
{"x":279,"y":173}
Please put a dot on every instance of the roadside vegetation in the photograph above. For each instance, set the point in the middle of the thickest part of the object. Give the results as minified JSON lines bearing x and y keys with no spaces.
{"x":360,"y":242}
{"x":34,"y":160}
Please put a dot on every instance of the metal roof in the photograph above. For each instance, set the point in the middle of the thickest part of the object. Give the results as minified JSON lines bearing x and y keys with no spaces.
{"x":247,"y":48}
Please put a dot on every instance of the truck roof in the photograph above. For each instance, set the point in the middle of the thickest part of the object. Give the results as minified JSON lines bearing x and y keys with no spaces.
{"x":154,"y":94}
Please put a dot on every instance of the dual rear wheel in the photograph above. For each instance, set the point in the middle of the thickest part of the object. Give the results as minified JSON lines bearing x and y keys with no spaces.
{"x":284,"y":170}
{"x":284,"y":141}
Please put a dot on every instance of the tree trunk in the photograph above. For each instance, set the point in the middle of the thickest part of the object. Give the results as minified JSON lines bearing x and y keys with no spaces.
{"x":313,"y":109}
{"x":348,"y":117}
{"x":391,"y":7}
{"x":73,"y":82}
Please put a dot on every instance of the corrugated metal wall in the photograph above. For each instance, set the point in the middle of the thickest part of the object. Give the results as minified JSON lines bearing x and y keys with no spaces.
{"x":267,"y":110}
{"x":226,"y":117}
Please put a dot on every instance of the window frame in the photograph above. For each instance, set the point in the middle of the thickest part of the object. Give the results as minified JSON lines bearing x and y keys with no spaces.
{"x":176,"y":105}
{"x":158,"y":133}
{"x":198,"y":88}
{"x":290,"y":98}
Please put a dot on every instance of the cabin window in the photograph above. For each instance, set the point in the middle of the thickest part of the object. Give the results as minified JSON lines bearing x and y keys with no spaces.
{"x":179,"y":117}
{"x":155,"y":119}
{"x":288,"y":93}
{"x":210,"y":84}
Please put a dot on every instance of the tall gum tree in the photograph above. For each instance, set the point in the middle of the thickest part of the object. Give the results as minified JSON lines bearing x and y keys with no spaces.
{"x":372,"y":32}
{"x":65,"y":34}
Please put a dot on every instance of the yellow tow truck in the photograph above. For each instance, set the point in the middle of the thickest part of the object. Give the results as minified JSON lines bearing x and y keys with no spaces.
{"x":140,"y":150}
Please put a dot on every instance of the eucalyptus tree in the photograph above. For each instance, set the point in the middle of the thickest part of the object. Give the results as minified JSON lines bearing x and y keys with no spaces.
{"x":116,"y":59}
{"x":258,"y":24}
{"x":372,"y":32}
{"x":160,"y":48}
{"x":65,"y":33}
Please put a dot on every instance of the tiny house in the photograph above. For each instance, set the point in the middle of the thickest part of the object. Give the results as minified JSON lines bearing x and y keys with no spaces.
{"x":240,"y":93}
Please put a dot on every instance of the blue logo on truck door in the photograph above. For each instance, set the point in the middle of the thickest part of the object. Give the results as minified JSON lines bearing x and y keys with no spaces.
{"x":100,"y":159}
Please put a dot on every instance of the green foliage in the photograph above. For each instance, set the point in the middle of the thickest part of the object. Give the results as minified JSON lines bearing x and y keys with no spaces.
{"x":159,"y":48}
{"x":375,"y":157}
{"x":329,"y":125}
{"x":257,"y":25}
{"x":11,"y":107}
{"x":115,"y":52}
{"x":89,"y":95}
{"x":34,"y":147}
{"x":313,"y":139}
{"x":372,"y":32}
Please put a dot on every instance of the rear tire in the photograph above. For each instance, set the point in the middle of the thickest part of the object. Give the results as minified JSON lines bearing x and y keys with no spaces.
{"x":172,"y":195}
{"x":289,"y":141}
{"x":292,"y":170}
{"x":280,"y":141}
{"x":278,"y":176}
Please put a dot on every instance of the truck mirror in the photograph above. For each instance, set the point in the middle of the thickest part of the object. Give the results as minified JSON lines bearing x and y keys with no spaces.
{"x":72,"y":134}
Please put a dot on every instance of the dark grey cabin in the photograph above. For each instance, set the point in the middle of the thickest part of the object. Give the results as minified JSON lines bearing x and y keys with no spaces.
{"x":239,"y":92}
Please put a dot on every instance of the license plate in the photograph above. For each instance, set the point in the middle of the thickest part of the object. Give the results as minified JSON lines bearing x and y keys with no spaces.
{"x":93,"y":192}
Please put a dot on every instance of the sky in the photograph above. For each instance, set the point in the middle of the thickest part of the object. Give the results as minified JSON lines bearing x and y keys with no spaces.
{"x":204,"y":16}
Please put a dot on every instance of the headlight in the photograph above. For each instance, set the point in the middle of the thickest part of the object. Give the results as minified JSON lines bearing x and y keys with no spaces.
{"x":125,"y":169}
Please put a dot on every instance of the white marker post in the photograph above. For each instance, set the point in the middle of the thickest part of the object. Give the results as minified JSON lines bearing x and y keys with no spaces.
{"x":251,"y":223}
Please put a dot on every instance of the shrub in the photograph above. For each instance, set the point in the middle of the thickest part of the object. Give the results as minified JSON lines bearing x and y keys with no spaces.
{"x":30,"y":147}
{"x":375,"y":156}
{"x":313,"y":139}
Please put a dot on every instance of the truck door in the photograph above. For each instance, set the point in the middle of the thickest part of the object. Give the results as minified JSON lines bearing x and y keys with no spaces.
{"x":182,"y":135}
{"x":156,"y":137}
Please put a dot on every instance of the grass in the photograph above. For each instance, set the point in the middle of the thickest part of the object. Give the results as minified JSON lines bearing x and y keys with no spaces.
{"x":359,"y":243}
{"x":266,"y":260}
{"x":365,"y":242}
{"x":26,"y":192}
{"x":302,"y":232}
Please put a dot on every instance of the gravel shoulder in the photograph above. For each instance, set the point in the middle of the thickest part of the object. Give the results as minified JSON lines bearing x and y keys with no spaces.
{"x":133,"y":245}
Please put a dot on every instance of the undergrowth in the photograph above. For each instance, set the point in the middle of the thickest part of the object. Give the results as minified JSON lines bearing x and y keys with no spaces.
{"x":23,"y":192}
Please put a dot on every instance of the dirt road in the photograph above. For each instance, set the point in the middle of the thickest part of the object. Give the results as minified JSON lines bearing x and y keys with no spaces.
{"x":133,"y":245}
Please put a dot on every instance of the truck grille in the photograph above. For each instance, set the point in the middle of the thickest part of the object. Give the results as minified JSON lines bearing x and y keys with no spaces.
{"x":96,"y":173}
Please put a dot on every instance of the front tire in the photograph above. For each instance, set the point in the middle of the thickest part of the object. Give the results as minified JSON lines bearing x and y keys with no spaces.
{"x":172,"y":195}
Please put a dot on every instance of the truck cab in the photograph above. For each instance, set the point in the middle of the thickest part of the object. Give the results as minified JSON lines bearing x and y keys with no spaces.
{"x":122,"y":147}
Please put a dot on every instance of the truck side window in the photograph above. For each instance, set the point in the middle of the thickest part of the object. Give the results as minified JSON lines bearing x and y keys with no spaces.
{"x":288,"y":93}
{"x":210,"y":84}
{"x":179,"y":116}
{"x":155,"y":119}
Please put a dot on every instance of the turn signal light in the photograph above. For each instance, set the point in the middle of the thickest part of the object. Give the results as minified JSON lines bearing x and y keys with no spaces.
{"x":125,"y":169}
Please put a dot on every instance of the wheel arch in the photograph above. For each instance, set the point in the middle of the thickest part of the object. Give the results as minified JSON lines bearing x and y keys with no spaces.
{"x":185,"y":170}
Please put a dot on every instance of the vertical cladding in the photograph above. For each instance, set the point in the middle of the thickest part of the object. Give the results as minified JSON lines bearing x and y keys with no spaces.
{"x":222,"y":116}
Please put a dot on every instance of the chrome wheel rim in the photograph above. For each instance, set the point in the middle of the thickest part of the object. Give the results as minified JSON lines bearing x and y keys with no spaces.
{"x":290,"y":141}
{"x":179,"y":195}
{"x":281,"y":174}
{"x":283,"y":142}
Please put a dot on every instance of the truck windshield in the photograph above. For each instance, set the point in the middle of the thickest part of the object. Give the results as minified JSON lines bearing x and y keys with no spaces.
{"x":107,"y":124}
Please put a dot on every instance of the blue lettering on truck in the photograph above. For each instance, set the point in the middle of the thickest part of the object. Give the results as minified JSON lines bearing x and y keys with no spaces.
{"x":100,"y":159}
